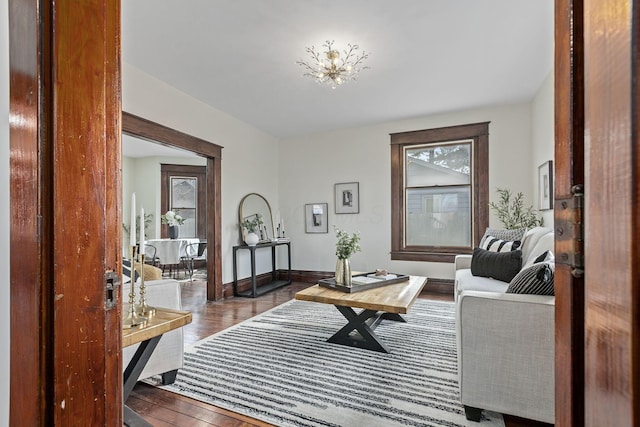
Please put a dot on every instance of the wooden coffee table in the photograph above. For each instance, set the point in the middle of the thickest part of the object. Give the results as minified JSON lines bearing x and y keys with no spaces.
{"x":385,"y":302}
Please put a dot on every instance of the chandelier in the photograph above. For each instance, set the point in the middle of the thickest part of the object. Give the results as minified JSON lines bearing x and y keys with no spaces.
{"x":334,"y":69}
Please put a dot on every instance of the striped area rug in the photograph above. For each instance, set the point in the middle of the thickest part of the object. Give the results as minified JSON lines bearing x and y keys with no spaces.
{"x":278,"y":367}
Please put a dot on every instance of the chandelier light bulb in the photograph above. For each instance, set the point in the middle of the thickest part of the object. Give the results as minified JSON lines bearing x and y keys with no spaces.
{"x":332,"y":68}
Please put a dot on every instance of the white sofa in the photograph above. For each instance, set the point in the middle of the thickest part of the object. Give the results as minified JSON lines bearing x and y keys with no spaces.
{"x":168,"y":355}
{"x":505,"y":341}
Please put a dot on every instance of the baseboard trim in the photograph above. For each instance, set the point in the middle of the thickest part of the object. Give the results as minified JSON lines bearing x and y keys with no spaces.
{"x":439,"y":286}
{"x":434,"y":285}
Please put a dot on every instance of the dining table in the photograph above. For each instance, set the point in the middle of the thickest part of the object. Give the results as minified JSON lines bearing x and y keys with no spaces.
{"x":172,"y":251}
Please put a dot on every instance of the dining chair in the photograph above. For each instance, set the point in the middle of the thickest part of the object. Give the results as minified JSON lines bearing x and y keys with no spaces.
{"x":194,"y":252}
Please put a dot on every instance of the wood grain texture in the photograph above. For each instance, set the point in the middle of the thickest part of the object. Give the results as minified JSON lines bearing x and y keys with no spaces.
{"x":569,"y":170}
{"x":163,"y":321}
{"x":395,"y":298}
{"x":611,"y":207}
{"x":65,"y":140}
{"x":30,"y":280}
{"x":86,"y":134}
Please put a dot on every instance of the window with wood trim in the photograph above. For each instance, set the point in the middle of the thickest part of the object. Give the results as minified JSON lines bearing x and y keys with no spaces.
{"x":439,"y":192}
{"x":183,"y":191}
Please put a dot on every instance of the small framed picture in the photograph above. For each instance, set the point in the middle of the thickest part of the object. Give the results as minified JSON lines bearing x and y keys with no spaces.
{"x":347,"y":198}
{"x":316,"y":218}
{"x":545,"y":185}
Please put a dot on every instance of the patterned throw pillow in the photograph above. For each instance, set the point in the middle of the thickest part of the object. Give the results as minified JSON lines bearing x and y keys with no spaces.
{"x":536,"y":280}
{"x":126,"y":271}
{"x":517,"y":234}
{"x":502,"y":266}
{"x":494,"y":244}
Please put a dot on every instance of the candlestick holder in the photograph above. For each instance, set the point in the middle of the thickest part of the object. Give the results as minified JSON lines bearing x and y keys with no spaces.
{"x":133,"y":319}
{"x":143,"y":308}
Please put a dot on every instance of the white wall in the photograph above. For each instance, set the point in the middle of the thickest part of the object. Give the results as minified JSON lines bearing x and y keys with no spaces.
{"x":542,"y":137}
{"x":315,"y":163}
{"x":4,"y":214}
{"x":250,"y":157}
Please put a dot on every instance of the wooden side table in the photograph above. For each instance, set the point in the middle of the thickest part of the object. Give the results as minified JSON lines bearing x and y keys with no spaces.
{"x":163,"y":321}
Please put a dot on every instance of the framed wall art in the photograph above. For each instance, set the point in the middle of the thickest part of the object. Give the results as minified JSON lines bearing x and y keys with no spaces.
{"x":316,"y":218}
{"x":347,"y":198}
{"x":545,"y":185}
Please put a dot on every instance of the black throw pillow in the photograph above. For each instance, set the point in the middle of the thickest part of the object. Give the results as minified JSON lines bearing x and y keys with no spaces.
{"x":498,"y":265}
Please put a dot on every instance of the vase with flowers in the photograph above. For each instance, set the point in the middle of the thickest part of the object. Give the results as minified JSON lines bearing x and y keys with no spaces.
{"x":347,"y":245}
{"x":252,"y":225}
{"x":173,"y":220}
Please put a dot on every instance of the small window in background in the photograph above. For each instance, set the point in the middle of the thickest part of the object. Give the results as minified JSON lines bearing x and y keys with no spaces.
{"x":184,"y":200}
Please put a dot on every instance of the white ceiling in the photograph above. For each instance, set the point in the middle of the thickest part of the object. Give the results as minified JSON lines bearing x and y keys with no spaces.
{"x":426,"y":56}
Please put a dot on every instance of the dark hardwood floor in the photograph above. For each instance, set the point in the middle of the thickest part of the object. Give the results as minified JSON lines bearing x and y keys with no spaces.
{"x":163,"y":409}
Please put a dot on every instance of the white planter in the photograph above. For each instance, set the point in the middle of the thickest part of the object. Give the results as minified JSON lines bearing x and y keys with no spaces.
{"x":251,"y":239}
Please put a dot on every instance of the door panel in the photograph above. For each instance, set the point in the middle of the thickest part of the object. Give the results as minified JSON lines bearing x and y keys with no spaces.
{"x":65,"y":180}
{"x":611,"y":212}
{"x":569,"y":171}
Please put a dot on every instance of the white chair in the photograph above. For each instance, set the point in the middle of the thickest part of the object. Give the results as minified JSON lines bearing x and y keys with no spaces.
{"x":194,"y":252}
{"x":168,"y":355}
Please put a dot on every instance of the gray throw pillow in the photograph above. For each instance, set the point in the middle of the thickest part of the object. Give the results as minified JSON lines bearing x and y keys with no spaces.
{"x":516,"y":234}
{"x":536,"y":280}
{"x":498,"y":265}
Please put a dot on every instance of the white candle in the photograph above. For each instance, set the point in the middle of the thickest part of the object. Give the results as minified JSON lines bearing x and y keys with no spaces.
{"x":142,"y":231}
{"x":132,"y":225}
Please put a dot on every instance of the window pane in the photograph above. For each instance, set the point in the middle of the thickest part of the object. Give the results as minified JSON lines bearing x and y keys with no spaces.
{"x":438,"y":217}
{"x":188,"y":228}
{"x":438,"y":165}
{"x":184,"y":200}
{"x":184,"y":192}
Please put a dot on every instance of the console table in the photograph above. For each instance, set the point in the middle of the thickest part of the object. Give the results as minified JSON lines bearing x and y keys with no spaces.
{"x":256,"y":291}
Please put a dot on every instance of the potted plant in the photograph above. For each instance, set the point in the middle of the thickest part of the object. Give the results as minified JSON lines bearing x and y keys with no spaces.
{"x":173,"y":220}
{"x":512,"y":212}
{"x":252,"y":225}
{"x":347,"y":245}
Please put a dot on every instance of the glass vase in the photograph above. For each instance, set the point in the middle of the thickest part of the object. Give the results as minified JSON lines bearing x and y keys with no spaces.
{"x":343,"y":272}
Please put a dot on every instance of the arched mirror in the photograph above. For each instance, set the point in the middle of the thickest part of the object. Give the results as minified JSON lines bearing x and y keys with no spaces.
{"x":251,"y":205}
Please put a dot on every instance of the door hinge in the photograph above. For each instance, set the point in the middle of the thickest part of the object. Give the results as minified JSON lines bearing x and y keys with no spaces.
{"x":569,"y":226}
{"x":111,"y":283}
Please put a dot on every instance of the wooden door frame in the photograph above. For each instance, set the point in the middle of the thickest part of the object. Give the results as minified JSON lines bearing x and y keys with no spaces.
{"x":569,"y":171}
{"x":65,"y":237}
{"x":151,"y":131}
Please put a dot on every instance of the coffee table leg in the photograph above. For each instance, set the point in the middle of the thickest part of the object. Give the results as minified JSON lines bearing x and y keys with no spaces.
{"x":364,"y":322}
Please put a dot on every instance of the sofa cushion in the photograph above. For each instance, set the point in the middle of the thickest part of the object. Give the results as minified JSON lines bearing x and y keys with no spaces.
{"x":537,"y":280}
{"x":545,"y":256}
{"x":465,"y":281}
{"x":517,"y":234}
{"x":535,"y":241}
{"x":498,"y":265}
{"x":494,"y":244}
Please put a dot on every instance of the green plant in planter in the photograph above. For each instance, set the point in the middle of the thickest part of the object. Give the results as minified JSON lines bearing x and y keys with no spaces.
{"x":512,"y":213}
{"x":148,"y":217}
{"x":347,"y":244}
{"x":253,"y":225}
